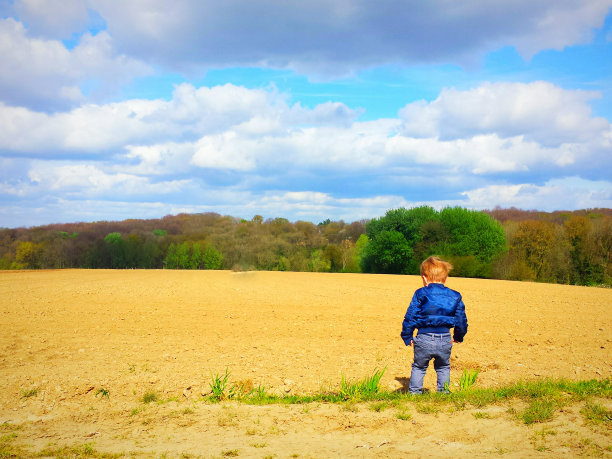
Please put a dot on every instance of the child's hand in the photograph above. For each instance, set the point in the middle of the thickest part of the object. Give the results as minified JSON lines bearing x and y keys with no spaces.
{"x":459,"y":342}
{"x":410,"y":343}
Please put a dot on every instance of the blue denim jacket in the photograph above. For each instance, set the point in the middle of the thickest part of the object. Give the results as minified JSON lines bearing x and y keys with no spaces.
{"x":435,"y":308}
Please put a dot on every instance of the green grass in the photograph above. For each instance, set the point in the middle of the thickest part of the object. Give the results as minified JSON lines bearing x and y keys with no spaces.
{"x":594,"y":413}
{"x":29,"y":392}
{"x":361,"y":390}
{"x":468,"y":379}
{"x":149,"y":397}
{"x":539,"y":410}
{"x":75,"y":451}
{"x":543,"y":396}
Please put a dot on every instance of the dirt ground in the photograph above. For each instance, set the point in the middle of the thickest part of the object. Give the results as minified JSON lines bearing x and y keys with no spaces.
{"x":70,"y":337}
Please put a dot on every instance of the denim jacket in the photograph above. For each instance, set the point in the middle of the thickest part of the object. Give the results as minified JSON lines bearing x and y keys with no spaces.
{"x":436,"y":308}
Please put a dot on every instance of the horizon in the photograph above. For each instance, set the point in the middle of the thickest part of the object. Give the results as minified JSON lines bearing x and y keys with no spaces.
{"x":266,"y":219}
{"x":307,"y":111}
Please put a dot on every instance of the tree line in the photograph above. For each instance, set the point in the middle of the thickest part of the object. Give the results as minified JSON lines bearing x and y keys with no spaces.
{"x":563,"y":247}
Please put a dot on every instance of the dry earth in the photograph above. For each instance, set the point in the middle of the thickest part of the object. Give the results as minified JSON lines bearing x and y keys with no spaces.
{"x":70,"y":335}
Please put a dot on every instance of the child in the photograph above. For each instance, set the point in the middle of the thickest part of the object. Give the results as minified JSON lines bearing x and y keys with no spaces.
{"x":434,"y":310}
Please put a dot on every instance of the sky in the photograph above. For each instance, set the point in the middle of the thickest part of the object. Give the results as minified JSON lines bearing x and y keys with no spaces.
{"x":303,"y":110}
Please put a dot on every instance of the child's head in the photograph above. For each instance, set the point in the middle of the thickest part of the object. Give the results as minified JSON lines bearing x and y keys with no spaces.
{"x":435,"y":270}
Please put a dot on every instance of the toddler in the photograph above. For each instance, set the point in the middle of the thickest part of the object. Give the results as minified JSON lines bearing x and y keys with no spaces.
{"x":434,"y":310}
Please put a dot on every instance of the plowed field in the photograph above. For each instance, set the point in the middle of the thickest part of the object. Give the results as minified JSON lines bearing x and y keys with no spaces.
{"x":79,"y":349}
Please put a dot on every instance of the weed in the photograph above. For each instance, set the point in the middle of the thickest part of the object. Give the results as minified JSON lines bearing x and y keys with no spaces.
{"x":364,"y":389}
{"x":134,"y":411}
{"x":596,"y":414}
{"x":230,"y":453}
{"x":75,"y":451}
{"x":539,"y":410}
{"x":132,"y":368}
{"x":258,"y":393}
{"x":427,"y":408}
{"x":403,"y":415}
{"x":103,"y":393}
{"x":218,"y":385}
{"x":149,"y":397}
{"x":187,"y":411}
{"x":7,"y":449}
{"x":29,"y":392}
{"x":459,"y":404}
{"x":481,"y":398}
{"x":259,"y":445}
{"x":379,"y":406}
{"x":351,"y":406}
{"x":468,"y":379}
{"x":481,"y":415}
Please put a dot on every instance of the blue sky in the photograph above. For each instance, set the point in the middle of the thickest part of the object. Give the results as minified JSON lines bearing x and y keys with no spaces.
{"x":304,"y":110}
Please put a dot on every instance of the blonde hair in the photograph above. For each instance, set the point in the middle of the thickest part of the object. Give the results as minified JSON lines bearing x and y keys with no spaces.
{"x":435,"y":270}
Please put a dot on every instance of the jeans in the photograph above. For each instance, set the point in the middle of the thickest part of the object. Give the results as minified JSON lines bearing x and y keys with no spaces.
{"x":429,"y":346}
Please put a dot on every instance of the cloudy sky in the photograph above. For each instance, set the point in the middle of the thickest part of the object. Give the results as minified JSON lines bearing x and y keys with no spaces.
{"x":306,"y":110}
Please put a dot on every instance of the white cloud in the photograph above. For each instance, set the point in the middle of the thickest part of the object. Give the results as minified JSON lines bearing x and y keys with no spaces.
{"x":86,"y":180}
{"x":43,"y":74}
{"x":556,"y":194}
{"x":538,"y":111}
{"x":239,"y":151}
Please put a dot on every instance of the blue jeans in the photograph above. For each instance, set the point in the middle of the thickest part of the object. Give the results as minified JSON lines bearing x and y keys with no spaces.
{"x":429,"y":346}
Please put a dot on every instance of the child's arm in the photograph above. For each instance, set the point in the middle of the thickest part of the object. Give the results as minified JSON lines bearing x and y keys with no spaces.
{"x":409,"y":324}
{"x":461,"y":325}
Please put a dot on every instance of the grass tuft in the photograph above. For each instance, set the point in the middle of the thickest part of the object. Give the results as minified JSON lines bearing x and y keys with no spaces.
{"x":149,"y":397}
{"x":29,"y":392}
{"x":594,"y":413}
{"x":468,"y":379}
{"x":539,"y":410}
{"x":361,"y":390}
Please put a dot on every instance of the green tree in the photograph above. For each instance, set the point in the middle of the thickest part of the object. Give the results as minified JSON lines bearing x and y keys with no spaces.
{"x":116,"y":248}
{"x":211,"y":257}
{"x":472,"y":233}
{"x":388,"y":252}
{"x":171,"y":260}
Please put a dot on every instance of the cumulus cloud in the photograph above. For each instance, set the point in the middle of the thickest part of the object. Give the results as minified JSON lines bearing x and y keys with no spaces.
{"x":564,"y":193}
{"x":253,"y":130}
{"x":538,"y":111}
{"x":338,"y":37}
{"x":247,"y":151}
{"x":57,"y":19}
{"x":42,"y":73}
{"x":319,"y":37}
{"x":88,"y":180}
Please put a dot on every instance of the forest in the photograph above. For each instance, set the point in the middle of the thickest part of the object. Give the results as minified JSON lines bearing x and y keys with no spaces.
{"x":572,"y":247}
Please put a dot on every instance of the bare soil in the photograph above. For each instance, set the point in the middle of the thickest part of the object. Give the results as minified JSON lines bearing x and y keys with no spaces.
{"x":70,"y":337}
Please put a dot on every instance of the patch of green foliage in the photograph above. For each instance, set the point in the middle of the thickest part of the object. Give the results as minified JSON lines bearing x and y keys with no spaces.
{"x":468,"y":379}
{"x":595,"y":413}
{"x":539,"y":410}
{"x":149,"y":397}
{"x":554,"y":392}
{"x":361,"y":390}
{"x":29,"y":392}
{"x":76,"y":451}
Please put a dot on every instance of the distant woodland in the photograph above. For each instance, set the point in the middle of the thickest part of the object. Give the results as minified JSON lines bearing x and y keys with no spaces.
{"x":560,"y":247}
